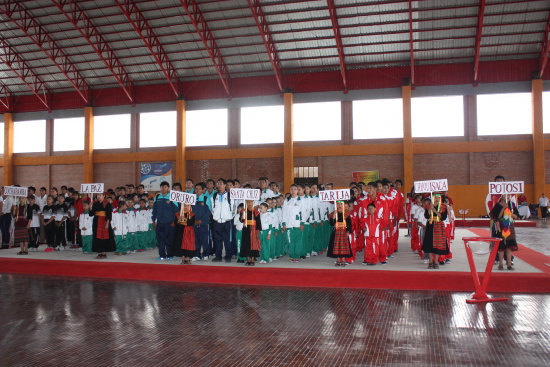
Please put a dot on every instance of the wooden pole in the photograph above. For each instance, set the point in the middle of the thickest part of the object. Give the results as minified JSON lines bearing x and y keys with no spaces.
{"x":407,"y":138}
{"x":88,"y":159}
{"x":288,"y":153}
{"x":8,"y":149}
{"x":180,"y":142}
{"x":538,"y":140}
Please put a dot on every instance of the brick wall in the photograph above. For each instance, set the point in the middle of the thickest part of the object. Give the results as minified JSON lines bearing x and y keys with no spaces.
{"x":201,"y":170}
{"x":454,"y":167}
{"x":36,"y":176}
{"x":514,"y":166}
{"x":339,"y":169}
{"x":249,"y":170}
{"x":115,"y":174}
{"x":67,"y":174}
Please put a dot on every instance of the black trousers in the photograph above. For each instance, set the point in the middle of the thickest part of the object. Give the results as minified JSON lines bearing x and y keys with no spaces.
{"x":34,"y":237}
{"x":543,"y":211}
{"x":61,"y":234}
{"x":5,"y":223}
{"x":51,"y":231}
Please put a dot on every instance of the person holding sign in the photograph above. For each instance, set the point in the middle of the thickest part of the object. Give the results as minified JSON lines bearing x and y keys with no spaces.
{"x":103,"y":240}
{"x":252,"y":225}
{"x":184,"y":245}
{"x":435,"y":236}
{"x":503,"y":215}
{"x":339,"y":246}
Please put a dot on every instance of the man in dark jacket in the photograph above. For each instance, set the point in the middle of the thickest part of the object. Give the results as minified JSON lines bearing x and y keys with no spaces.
{"x":164,"y":216}
{"x":202,"y":222}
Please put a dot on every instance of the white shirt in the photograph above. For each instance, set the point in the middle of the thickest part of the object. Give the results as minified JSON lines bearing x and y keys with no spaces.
{"x":221,"y":210}
{"x":86,"y":221}
{"x":543,"y":201}
{"x":8,"y":203}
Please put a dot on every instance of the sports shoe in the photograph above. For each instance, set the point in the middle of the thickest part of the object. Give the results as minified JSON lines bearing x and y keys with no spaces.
{"x":384,"y":262}
{"x":448,"y":261}
{"x":426,"y":261}
{"x":170,"y":258}
{"x":161,"y":258}
{"x":314,"y":253}
{"x":57,"y":248}
{"x":365,"y":263}
{"x":48,"y":249}
{"x":308,"y":255}
{"x":195,"y":259}
{"x":205,"y":258}
{"x":263,"y":262}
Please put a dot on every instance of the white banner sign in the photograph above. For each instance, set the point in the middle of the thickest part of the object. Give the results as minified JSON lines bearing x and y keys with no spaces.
{"x":15,"y":191}
{"x":503,"y":188}
{"x":245,"y":194}
{"x":92,"y":188}
{"x":431,"y":186}
{"x":335,"y":195}
{"x":183,"y":197}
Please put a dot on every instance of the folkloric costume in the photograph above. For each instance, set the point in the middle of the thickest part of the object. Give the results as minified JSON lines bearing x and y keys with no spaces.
{"x":435,"y":236}
{"x":22,"y":215}
{"x":184,"y":244}
{"x":104,"y":239}
{"x":339,"y":244}
{"x":252,"y":225}
{"x":503,"y":227}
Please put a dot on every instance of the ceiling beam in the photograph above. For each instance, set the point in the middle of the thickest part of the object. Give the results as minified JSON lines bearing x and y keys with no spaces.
{"x":18,"y":15}
{"x":411,"y":41}
{"x":146,"y":33}
{"x":543,"y":59}
{"x":261,"y":21}
{"x":16,"y":64}
{"x":480,"y":15}
{"x":336,"y":29}
{"x":4,"y":96}
{"x":197,"y":18}
{"x":87,"y":29}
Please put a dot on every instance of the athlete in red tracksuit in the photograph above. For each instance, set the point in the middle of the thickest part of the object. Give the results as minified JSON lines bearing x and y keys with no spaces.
{"x":381,"y":212}
{"x":355,"y":224}
{"x":374,"y":249}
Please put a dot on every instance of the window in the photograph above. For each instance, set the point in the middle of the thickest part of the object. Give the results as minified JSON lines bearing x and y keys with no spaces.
{"x":437,"y":116}
{"x":504,"y":114}
{"x":546,"y":112}
{"x":317,"y":121}
{"x":378,"y":119}
{"x":157,"y":129}
{"x":1,"y":138}
{"x":68,"y":134}
{"x":262,"y":125}
{"x":306,"y":175}
{"x":29,"y":136}
{"x":206,"y":127}
{"x":112,"y":132}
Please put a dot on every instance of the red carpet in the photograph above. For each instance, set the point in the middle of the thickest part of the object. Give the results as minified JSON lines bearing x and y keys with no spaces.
{"x":533,"y":258}
{"x":481,"y":222}
{"x":329,"y":278}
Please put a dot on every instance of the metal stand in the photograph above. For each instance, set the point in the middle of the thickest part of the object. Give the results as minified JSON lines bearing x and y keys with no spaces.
{"x":480,"y":294}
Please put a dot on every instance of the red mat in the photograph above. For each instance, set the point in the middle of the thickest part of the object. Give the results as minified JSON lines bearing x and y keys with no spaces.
{"x":329,"y":278}
{"x":481,"y":222}
{"x":532,"y":257}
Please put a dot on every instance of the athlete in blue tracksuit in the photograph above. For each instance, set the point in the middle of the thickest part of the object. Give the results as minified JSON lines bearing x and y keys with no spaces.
{"x":202,"y":223}
{"x":164,"y":214}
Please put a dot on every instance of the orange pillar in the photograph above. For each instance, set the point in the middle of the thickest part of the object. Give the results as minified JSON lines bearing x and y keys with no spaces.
{"x":88,"y":159}
{"x":538,"y":139}
{"x":180,"y":142}
{"x":8,"y":149}
{"x":407,"y":139}
{"x":288,"y":153}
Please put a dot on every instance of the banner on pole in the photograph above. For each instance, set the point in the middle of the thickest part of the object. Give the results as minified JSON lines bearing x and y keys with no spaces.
{"x":16,"y":191}
{"x":431,"y":186}
{"x":244,"y":194}
{"x":152,"y":174}
{"x":183,"y":197}
{"x":92,"y":188}
{"x":335,"y":195}
{"x":506,"y":188}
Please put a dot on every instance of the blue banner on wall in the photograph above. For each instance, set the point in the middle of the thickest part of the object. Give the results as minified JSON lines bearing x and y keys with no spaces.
{"x":153,"y":173}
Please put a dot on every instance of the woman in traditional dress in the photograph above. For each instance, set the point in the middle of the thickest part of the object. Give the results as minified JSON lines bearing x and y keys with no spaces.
{"x":104,"y":239}
{"x":22,"y":215}
{"x":252,"y":225}
{"x":339,"y":246}
{"x":435,"y":236}
{"x":503,"y":215}
{"x":184,"y":244}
